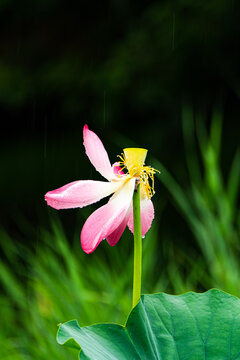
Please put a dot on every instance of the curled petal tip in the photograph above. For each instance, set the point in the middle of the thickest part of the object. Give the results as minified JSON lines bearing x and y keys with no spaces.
{"x":85,"y":127}
{"x":50,"y":200}
{"x":87,"y":250}
{"x":46,"y":197}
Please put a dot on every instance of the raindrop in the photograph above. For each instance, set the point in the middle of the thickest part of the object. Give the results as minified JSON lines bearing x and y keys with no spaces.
{"x":173,"y":32}
{"x":45,"y":139}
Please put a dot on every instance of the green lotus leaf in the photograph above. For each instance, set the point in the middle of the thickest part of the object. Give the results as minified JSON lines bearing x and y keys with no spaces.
{"x":191,"y":326}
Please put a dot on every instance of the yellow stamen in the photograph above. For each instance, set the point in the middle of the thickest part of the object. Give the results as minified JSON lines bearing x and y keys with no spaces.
{"x":133,"y":159}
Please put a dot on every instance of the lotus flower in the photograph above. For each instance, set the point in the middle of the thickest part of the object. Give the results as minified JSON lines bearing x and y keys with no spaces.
{"x":109,"y":221}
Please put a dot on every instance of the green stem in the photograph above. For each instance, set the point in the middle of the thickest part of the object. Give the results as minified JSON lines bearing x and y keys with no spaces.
{"x":137,"y":267}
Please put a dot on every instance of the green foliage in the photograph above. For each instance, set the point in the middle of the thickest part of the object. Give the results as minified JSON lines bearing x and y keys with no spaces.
{"x":209,"y":202}
{"x":54,"y":281}
{"x":161,"y":326}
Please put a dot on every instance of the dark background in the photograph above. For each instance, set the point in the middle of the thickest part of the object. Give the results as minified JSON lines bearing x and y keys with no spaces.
{"x":126,"y":68}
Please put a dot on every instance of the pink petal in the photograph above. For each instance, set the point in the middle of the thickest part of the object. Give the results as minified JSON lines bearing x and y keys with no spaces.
{"x":97,"y":153}
{"x":105,"y":220}
{"x":113,"y":238}
{"x":147,"y":216}
{"x":80,"y":193}
{"x":117,"y":170}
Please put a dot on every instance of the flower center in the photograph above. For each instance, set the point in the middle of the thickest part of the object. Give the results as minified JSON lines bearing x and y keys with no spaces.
{"x":133,"y":160}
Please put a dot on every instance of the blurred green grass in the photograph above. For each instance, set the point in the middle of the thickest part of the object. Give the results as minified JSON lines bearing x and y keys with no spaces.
{"x":55,"y":281}
{"x":209,"y":203}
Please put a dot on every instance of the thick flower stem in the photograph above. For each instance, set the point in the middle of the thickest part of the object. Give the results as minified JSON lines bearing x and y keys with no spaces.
{"x":137,"y":267}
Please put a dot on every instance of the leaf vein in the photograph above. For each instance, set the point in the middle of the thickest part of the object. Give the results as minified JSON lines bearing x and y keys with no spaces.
{"x":155,"y":349}
{"x":173,"y":334}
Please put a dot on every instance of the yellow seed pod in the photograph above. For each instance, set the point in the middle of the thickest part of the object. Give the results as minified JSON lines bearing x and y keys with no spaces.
{"x":134,"y":157}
